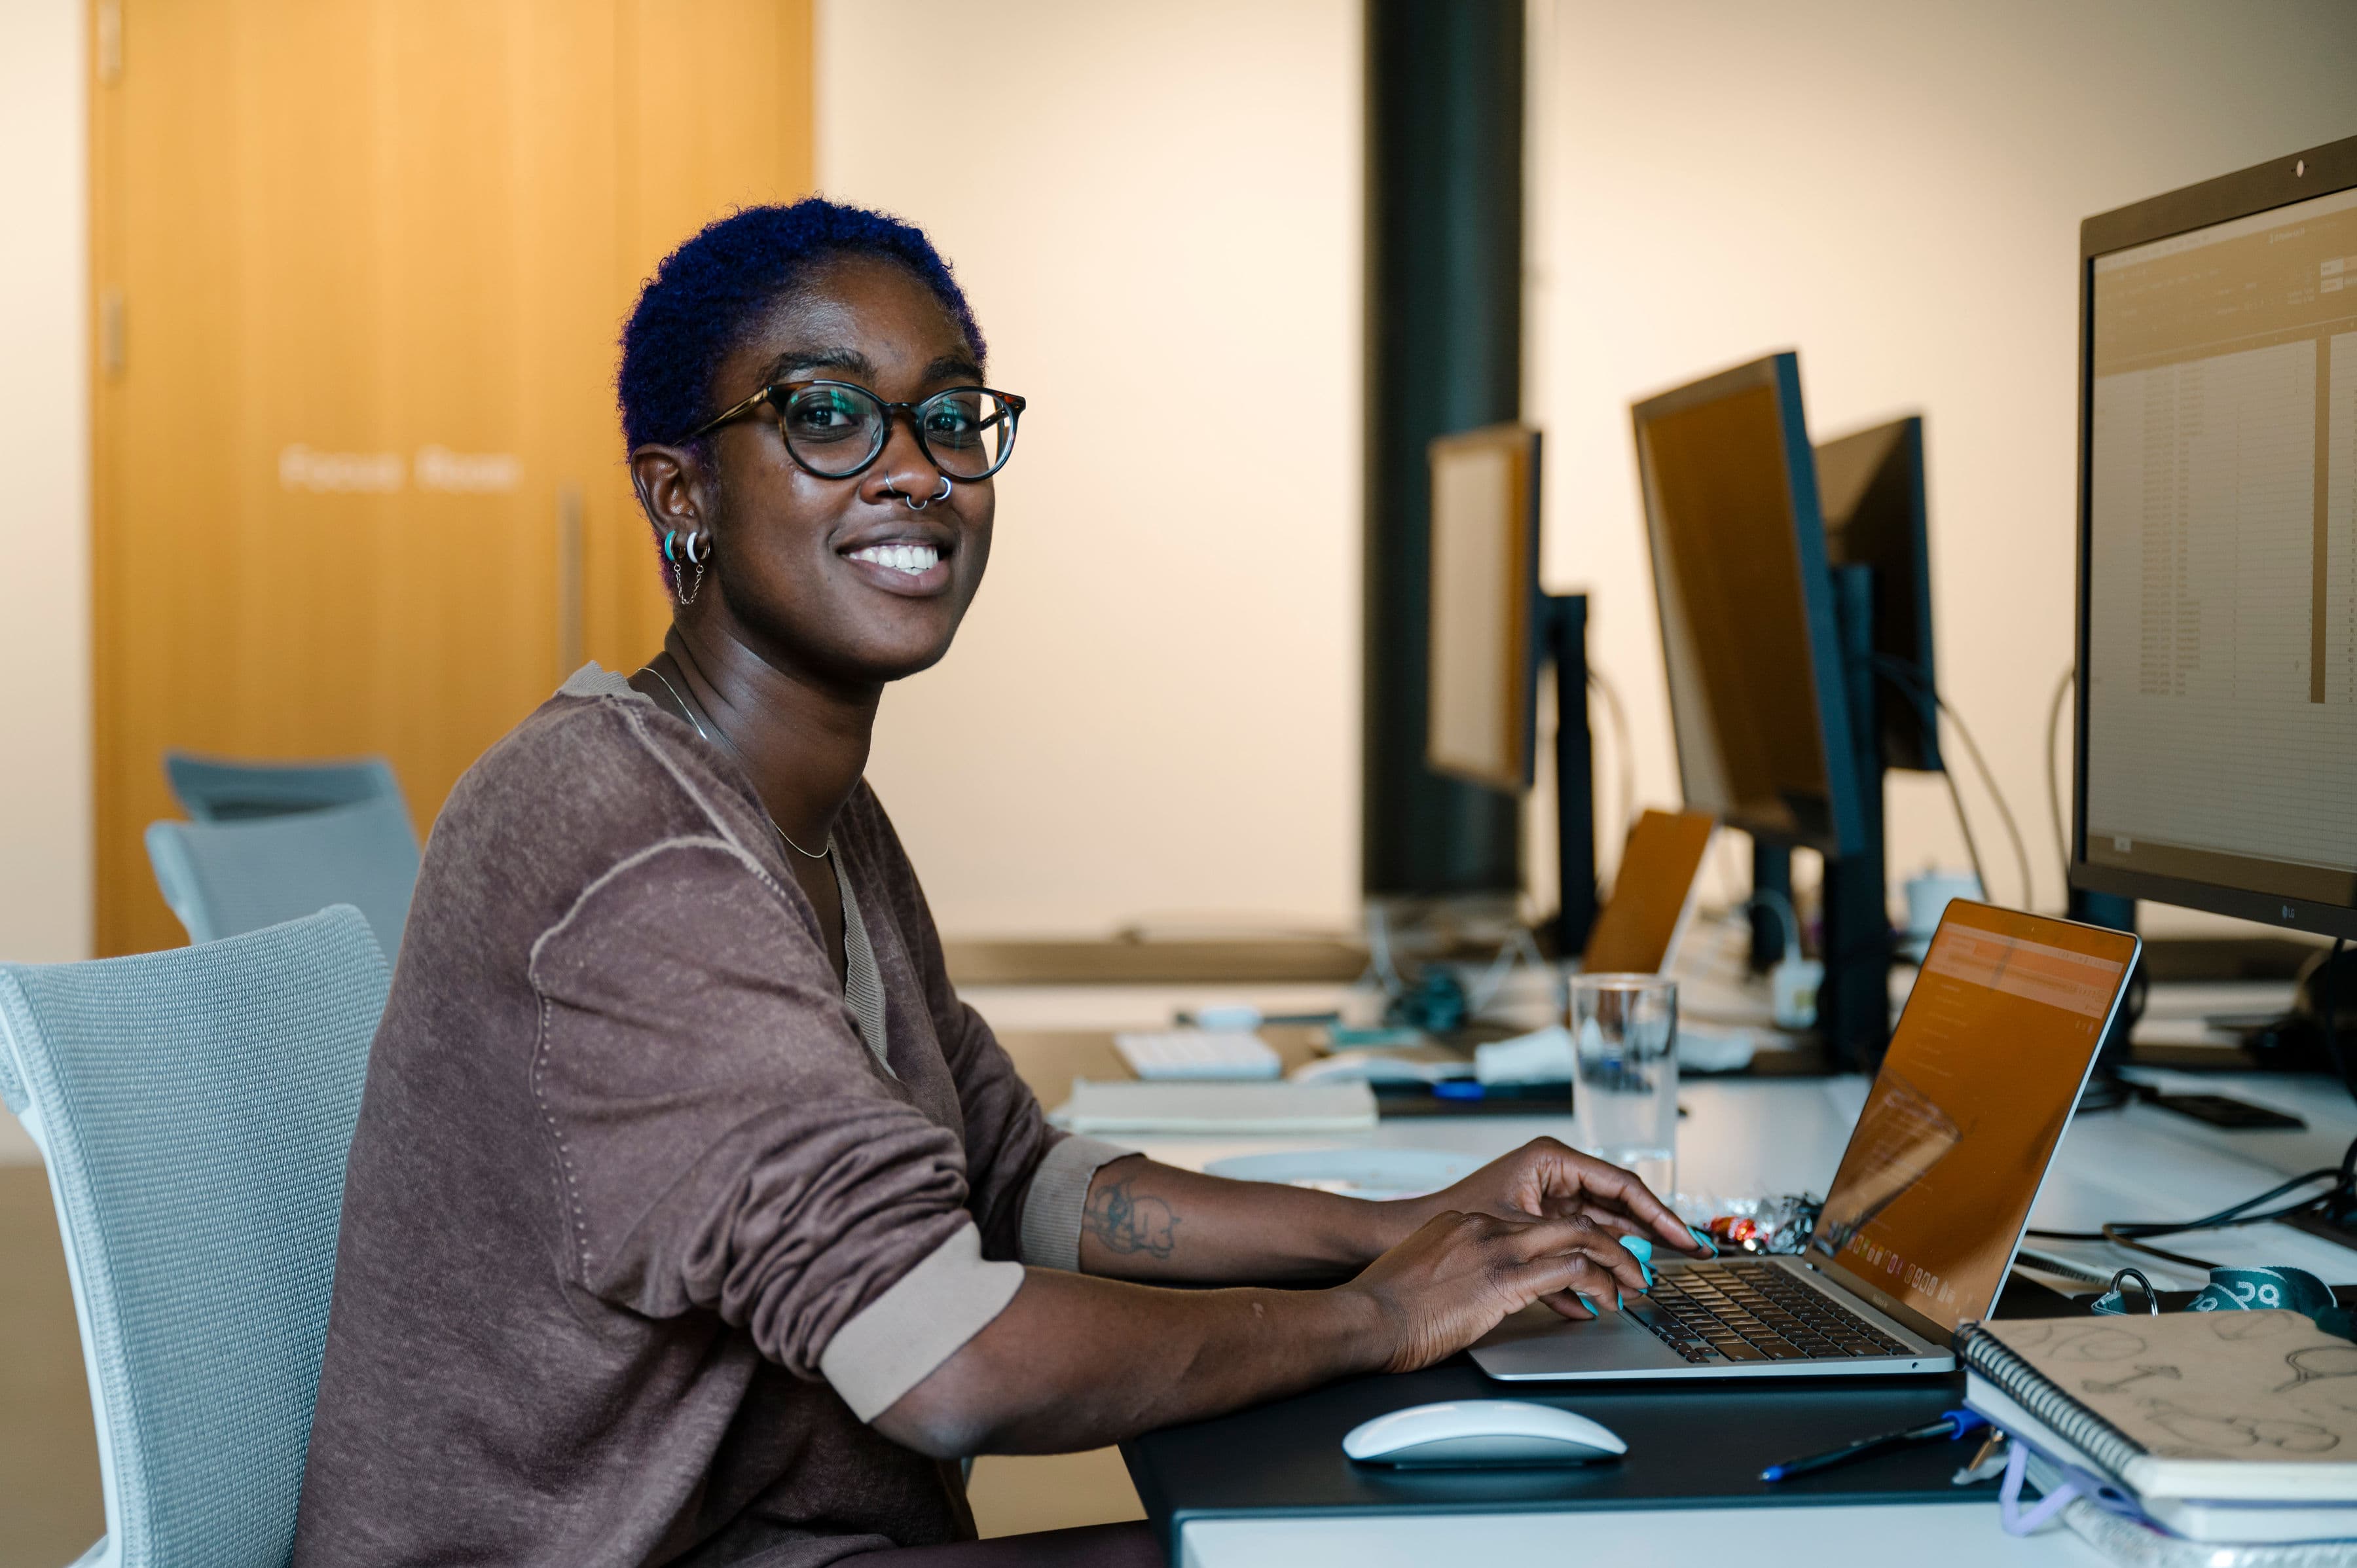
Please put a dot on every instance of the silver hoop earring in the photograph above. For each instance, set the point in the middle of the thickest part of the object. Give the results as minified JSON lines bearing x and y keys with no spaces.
{"x":693,"y":552}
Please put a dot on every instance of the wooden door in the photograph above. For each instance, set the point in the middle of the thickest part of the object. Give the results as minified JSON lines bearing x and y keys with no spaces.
{"x":358,"y":271}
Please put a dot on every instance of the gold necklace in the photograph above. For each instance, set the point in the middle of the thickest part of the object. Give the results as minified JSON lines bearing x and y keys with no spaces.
{"x":706,"y":733}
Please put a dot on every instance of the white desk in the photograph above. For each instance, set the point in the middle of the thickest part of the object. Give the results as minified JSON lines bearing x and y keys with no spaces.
{"x":1751,"y":1135}
{"x":1927,"y":1535}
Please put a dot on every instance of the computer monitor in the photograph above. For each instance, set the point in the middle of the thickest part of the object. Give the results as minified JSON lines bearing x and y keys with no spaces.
{"x":1481,"y":717}
{"x":1870,"y":483}
{"x":1769,"y":645}
{"x":2217,"y":714}
{"x":1490,"y":626}
{"x":1740,"y":571}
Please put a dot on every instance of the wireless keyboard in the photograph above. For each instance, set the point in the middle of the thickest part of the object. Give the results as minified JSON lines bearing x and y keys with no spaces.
{"x":1198,"y":1053}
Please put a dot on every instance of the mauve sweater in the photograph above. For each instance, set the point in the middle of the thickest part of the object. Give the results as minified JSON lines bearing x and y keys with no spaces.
{"x":645,"y":1219}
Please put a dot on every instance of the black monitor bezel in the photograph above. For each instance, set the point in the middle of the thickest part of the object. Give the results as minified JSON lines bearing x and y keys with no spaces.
{"x":1781,"y":372}
{"x":2279,"y":182}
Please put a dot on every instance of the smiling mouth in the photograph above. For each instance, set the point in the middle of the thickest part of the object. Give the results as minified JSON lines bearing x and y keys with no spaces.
{"x":914,"y":560}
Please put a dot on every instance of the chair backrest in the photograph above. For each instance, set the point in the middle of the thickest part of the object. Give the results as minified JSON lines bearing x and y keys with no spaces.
{"x":225,"y":878}
{"x":194,"y":1108}
{"x":221,"y":789}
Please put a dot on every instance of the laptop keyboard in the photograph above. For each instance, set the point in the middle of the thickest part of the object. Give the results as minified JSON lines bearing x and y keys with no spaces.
{"x":1745,"y":1310}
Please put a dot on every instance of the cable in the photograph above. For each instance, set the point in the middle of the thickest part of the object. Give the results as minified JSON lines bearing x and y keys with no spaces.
{"x":1517,"y":949}
{"x":2046,"y":1263}
{"x":2054,"y":772}
{"x":2106,"y":1092}
{"x":1624,"y":756}
{"x":2332,"y":1036}
{"x":2131,"y":1234}
{"x":1771,"y":898}
{"x":2005,"y":812}
{"x":2183,"y":1260}
{"x":1988,"y":779}
{"x":1379,"y":952}
{"x":1914,"y":694}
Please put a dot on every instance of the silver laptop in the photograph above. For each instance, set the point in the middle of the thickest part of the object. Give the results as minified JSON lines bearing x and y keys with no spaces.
{"x":1929,"y":1202}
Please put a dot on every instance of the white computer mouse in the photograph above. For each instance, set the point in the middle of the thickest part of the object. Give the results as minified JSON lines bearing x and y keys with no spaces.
{"x":1482,"y":1432}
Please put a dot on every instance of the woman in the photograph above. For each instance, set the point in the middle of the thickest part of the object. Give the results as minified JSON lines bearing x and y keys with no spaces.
{"x":691,"y":1217}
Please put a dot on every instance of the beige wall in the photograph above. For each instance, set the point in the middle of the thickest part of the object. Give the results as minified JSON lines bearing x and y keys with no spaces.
{"x":45,"y":871}
{"x":1152,"y":711}
{"x":1896,"y":191}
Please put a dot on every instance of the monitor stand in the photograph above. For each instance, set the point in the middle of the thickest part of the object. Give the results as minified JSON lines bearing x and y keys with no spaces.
{"x":1566,"y":642}
{"x":1853,"y":998}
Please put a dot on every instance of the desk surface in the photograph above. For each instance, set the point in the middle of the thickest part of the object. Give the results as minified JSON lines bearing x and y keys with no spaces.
{"x":1698,"y":1446}
{"x":1919,"y":1535}
{"x":1740,"y":1136}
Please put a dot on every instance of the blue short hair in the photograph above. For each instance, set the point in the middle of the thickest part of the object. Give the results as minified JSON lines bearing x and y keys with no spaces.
{"x":709,"y":293}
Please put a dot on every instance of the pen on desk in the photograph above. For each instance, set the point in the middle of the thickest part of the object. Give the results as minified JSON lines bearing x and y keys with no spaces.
{"x":1952,"y":1424}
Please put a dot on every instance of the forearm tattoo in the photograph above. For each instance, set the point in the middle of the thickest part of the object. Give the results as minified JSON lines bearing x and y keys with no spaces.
{"x":1125,"y":1222}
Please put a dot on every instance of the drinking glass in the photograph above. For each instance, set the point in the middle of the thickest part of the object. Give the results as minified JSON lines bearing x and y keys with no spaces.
{"x":1624,"y":1101}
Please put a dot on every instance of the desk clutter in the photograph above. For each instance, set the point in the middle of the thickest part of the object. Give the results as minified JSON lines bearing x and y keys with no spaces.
{"x":2160,"y":1438}
{"x":2208,"y":1425}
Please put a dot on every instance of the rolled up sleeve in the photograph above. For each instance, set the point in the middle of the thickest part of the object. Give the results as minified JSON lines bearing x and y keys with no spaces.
{"x":896,"y":1340}
{"x":1059,"y":1197}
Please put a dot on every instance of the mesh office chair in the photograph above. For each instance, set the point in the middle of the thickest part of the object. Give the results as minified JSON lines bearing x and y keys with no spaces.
{"x":225,"y":878}
{"x":195,"y":1108}
{"x":218,"y":790}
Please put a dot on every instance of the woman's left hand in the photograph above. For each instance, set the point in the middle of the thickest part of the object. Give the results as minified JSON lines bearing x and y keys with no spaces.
{"x":1550,"y":1180}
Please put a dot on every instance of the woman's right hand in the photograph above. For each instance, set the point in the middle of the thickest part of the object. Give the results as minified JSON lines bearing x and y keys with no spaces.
{"x":1459,"y":1275}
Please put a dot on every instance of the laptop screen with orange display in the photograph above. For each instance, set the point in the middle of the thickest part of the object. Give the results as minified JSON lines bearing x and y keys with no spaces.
{"x":1981,"y":1077}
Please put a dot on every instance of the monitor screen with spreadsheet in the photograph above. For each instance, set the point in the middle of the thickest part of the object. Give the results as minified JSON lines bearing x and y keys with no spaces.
{"x":2218,"y":656}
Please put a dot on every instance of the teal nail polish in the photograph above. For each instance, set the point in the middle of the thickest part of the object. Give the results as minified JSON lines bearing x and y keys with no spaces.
{"x":1705,"y":1238}
{"x":1585,"y":1302}
{"x":1639,"y":1248}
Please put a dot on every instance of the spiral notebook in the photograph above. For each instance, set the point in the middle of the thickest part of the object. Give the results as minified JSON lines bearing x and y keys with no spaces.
{"x":2230,"y":1407}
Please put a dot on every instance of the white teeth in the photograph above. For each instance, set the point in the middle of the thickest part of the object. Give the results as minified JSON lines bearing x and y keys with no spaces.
{"x":912,"y":559}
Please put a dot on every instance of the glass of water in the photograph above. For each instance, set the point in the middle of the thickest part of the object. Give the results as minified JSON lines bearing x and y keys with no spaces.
{"x":1624,"y":1103}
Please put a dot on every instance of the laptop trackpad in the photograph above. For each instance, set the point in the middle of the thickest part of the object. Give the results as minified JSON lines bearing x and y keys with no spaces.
{"x":1535,"y":1342}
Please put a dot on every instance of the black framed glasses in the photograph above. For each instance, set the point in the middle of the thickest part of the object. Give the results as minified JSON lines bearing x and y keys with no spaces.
{"x":835,"y":429}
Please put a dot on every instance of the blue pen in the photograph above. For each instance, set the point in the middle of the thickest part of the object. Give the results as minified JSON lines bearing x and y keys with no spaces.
{"x":1952,"y":1424}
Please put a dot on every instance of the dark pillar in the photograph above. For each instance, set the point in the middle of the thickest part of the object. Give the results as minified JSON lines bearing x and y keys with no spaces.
{"x":1444,"y":353}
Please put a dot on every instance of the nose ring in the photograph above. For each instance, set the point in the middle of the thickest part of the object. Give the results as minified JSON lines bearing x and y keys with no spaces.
{"x":912,"y":504}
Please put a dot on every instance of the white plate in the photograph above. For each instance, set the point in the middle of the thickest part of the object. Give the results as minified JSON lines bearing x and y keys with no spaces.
{"x":1354,"y":1173}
